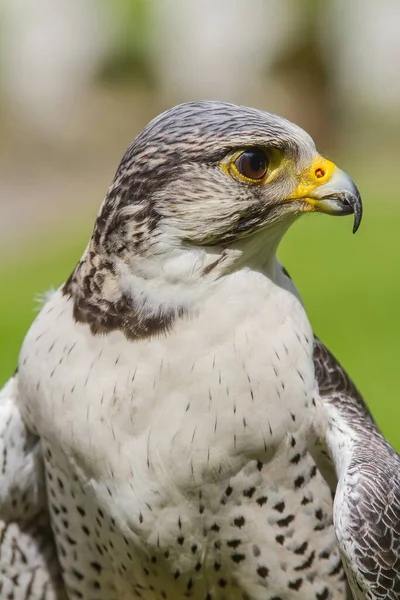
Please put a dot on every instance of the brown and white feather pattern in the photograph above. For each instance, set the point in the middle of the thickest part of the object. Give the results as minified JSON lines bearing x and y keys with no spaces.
{"x":29,"y":567}
{"x":367,"y":500}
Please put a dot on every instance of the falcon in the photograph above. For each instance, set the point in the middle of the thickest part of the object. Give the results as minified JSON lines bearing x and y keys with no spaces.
{"x":174,"y":429}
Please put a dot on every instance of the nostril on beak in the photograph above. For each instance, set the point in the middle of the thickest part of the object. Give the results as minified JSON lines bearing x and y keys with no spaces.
{"x":319,"y":173}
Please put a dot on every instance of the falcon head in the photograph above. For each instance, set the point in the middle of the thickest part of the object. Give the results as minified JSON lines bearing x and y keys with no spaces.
{"x":211,"y":173}
{"x":204,"y":184}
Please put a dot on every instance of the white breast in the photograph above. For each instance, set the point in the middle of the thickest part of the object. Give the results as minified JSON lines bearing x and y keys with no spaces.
{"x":193,"y":405}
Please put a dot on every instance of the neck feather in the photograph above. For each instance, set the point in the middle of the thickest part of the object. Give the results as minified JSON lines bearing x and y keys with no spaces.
{"x":145,"y":296}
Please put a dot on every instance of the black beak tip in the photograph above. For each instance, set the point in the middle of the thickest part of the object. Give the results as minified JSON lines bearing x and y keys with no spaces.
{"x":357,"y":211}
{"x":352,"y":201}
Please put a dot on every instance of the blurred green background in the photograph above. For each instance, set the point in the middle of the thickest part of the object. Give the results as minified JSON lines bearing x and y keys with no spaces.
{"x":60,"y":143}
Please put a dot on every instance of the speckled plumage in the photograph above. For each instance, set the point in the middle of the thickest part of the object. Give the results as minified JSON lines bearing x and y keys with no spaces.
{"x":367,"y":501}
{"x":29,"y":568}
{"x":185,"y":413}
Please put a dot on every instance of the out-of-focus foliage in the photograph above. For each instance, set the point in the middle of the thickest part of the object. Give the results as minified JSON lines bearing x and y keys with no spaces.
{"x":128,"y":57}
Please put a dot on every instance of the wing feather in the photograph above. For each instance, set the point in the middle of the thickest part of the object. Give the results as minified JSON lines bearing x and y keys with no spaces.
{"x":367,"y":471}
{"x":29,"y":567}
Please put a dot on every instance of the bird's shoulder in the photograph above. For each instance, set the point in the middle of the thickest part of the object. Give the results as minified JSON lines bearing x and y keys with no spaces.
{"x":363,"y":471}
{"x":367,"y":471}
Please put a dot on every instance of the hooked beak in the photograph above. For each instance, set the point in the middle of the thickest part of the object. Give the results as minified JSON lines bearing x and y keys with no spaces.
{"x":325,"y":188}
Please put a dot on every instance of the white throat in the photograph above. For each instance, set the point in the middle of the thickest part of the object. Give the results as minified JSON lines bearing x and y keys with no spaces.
{"x":183,"y":276}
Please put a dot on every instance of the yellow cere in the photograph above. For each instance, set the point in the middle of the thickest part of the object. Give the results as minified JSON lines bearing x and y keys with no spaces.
{"x":320,"y":172}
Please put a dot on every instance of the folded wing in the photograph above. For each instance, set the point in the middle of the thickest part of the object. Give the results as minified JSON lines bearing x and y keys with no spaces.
{"x":29,"y":567}
{"x":364,"y":471}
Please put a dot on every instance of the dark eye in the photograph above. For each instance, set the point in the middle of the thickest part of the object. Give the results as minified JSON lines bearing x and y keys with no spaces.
{"x":252,"y":164}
